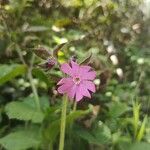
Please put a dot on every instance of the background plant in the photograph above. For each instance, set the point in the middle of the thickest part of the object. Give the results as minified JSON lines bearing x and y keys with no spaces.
{"x":117,"y":34}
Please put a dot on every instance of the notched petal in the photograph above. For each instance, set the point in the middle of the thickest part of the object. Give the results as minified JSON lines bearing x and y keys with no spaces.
{"x":66,"y":69}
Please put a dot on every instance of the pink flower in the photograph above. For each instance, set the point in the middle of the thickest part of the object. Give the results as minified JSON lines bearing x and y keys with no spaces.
{"x":79,"y":83}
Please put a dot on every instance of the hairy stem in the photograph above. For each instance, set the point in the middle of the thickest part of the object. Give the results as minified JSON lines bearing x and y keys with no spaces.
{"x":74,"y":106}
{"x":63,"y":123}
{"x":37,"y":101}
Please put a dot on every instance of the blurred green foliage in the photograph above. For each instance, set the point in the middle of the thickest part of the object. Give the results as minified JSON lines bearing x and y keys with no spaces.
{"x":116,"y":33}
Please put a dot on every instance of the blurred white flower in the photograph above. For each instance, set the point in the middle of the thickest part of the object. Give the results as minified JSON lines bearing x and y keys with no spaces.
{"x":119,"y":72}
{"x":57,"y":29}
{"x":140,"y":61}
{"x":108,"y":94}
{"x":97,"y":81}
{"x":114,"y":59}
{"x":111,"y":49}
{"x":124,"y":30}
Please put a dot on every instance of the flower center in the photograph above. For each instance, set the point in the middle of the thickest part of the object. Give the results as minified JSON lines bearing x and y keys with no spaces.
{"x":76,"y":80}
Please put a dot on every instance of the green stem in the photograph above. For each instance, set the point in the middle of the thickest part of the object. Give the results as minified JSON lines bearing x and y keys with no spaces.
{"x":63,"y":123}
{"x":74,"y":106}
{"x":50,"y":146}
{"x":37,"y":101}
{"x":34,"y":89}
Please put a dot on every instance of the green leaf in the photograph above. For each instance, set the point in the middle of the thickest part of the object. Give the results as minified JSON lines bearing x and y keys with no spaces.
{"x":41,"y":75}
{"x":135,"y":146}
{"x":8,"y":72}
{"x":98,"y":136}
{"x":142,"y":129}
{"x":52,"y":130}
{"x":75,"y":115}
{"x":86,"y":135}
{"x":24,"y":110}
{"x":21,"y":140}
{"x":102,"y":134}
{"x":116,"y":109}
{"x":136,"y":115}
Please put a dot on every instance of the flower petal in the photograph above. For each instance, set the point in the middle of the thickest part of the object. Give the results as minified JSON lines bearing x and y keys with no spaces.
{"x":78,"y":94}
{"x":85,"y":68}
{"x":90,"y":85}
{"x":66,"y":69}
{"x":72,"y":91}
{"x":64,"y":88}
{"x":64,"y":80}
{"x":75,"y":68}
{"x":84,"y":90}
{"x":89,"y":75}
